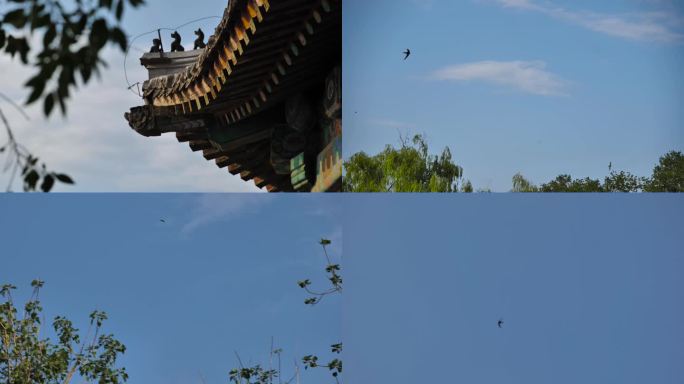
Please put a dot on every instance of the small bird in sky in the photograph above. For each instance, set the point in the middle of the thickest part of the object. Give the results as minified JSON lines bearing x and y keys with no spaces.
{"x":610,"y":166}
{"x":407,"y":52}
{"x":162,"y":220}
{"x":500,"y":323}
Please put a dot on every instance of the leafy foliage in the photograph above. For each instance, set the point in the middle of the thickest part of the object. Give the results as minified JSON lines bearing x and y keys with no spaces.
{"x":668,"y":175}
{"x":73,"y":35}
{"x":332,"y":270}
{"x":409,"y":168}
{"x":335,"y":365}
{"x":253,"y":375}
{"x":622,"y":182}
{"x":333,"y":276}
{"x":520,"y":184}
{"x":26,"y":358}
{"x":33,"y":174}
{"x":258,"y":375}
{"x":565,"y":183}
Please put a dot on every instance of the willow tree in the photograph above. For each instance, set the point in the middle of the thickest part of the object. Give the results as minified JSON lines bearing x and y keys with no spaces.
{"x":409,"y":168}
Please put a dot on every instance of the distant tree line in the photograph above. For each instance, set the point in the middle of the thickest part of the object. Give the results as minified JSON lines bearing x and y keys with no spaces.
{"x":668,"y":176}
{"x":410,"y":168}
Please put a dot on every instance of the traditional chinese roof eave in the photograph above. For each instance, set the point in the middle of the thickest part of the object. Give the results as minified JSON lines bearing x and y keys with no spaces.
{"x":231,"y":58}
{"x":261,"y":51}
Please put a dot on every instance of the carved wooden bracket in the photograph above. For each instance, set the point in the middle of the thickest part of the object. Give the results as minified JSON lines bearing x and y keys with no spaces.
{"x":151,"y":121}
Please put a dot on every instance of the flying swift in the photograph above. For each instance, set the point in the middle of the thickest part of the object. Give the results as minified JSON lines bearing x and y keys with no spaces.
{"x":407,"y":52}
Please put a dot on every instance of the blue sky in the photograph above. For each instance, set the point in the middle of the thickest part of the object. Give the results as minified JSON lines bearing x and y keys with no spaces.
{"x":589,"y":287}
{"x":219,"y":276}
{"x":530,"y":86}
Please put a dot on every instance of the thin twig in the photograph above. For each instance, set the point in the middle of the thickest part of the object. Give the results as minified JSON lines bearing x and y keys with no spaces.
{"x":270,"y":361}
{"x":14,"y":147}
{"x":239,"y":360}
{"x":15,"y":105}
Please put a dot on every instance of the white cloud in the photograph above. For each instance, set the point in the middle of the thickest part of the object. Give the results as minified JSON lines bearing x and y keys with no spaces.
{"x":95,"y":145}
{"x":642,"y":26}
{"x":210,"y":208}
{"x":526,"y":76}
{"x":517,"y":3}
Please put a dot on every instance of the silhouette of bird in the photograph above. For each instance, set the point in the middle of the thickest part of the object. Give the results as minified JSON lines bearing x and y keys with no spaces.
{"x":610,"y":166}
{"x":162,"y":220}
{"x":500,"y":323}
{"x":407,"y":52}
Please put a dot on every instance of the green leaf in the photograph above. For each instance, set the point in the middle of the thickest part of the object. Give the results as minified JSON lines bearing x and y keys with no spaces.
{"x":16,"y":17}
{"x":38,"y":84}
{"x":18,"y":45}
{"x":66,"y":77}
{"x":119,"y":37}
{"x":6,"y":288}
{"x":48,"y":183}
{"x":49,"y":35}
{"x":98,"y":34}
{"x":62,"y":104}
{"x":30,"y":180}
{"x":64,"y":178}
{"x":49,"y":104}
{"x":119,"y":9}
{"x":80,"y":25}
{"x":86,"y":72}
{"x":41,"y":21}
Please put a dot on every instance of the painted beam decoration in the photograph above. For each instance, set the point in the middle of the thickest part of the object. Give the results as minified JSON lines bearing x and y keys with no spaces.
{"x":261,"y":98}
